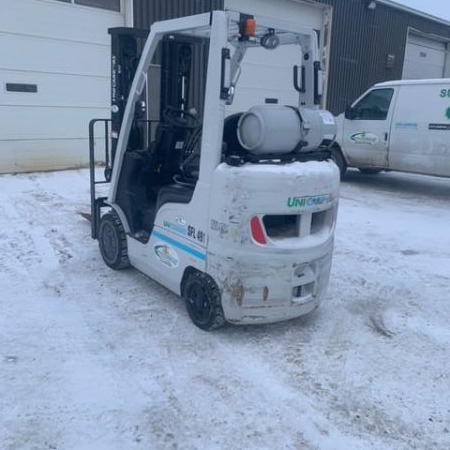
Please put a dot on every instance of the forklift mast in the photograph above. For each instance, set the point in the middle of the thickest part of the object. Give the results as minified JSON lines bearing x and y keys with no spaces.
{"x":176,"y":62}
{"x":125,"y":54}
{"x":177,"y":54}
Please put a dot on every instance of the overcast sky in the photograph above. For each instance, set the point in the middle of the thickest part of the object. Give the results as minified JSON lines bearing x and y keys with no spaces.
{"x":439,"y":8}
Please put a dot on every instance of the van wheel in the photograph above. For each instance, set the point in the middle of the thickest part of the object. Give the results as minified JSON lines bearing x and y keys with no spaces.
{"x":339,"y":160}
{"x":112,"y":241}
{"x":369,"y":171}
{"x":203,"y":301}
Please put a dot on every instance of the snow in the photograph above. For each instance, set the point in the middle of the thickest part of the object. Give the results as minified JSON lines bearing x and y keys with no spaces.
{"x":97,"y":359}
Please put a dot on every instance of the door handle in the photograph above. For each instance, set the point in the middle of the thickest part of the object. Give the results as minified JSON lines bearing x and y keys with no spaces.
{"x":386,"y":137}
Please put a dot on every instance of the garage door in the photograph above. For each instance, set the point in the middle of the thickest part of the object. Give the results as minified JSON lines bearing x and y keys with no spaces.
{"x":54,"y":78}
{"x":424,"y":58}
{"x":270,"y":81}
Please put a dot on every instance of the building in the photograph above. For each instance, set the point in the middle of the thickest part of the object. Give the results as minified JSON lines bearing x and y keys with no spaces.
{"x":55,"y":61}
{"x":54,"y":77}
{"x":380,"y":40}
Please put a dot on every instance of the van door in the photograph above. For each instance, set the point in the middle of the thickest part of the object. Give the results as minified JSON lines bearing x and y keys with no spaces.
{"x":420,"y":140}
{"x":367,"y":129}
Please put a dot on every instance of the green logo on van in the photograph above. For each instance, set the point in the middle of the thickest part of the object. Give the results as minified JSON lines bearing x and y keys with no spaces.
{"x":364,"y":138}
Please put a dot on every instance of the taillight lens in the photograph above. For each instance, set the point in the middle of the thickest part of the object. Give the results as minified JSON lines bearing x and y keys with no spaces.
{"x":257,"y":231}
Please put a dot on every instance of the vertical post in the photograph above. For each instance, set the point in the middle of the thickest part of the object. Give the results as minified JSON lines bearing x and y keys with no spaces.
{"x":214,"y":108}
{"x":92,"y":177}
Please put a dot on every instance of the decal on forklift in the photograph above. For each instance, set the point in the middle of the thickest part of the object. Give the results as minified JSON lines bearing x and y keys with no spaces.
{"x":219,"y":226}
{"x":184,"y":248}
{"x":180,"y":221}
{"x":302,"y":202}
{"x":185,"y":230}
{"x":175,"y":227}
{"x":166,"y":255}
{"x":327,"y":118}
{"x":364,"y":138}
{"x":196,"y":234}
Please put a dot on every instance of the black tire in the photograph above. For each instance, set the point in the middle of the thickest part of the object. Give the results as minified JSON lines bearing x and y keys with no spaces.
{"x":203,"y":301}
{"x":112,"y":241}
{"x":369,"y":171}
{"x":339,"y":160}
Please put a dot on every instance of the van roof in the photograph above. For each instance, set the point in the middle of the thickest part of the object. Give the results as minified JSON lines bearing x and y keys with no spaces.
{"x":412,"y":82}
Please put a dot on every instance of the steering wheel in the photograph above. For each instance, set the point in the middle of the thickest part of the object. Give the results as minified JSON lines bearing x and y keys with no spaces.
{"x":180,"y":118}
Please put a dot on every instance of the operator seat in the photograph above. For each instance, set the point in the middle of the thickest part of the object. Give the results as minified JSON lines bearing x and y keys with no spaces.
{"x":170,"y":143}
{"x":168,"y":146}
{"x":181,"y":190}
{"x":174,"y":193}
{"x":230,"y":137}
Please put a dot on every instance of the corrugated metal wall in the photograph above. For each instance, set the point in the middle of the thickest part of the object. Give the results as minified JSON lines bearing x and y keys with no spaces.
{"x":145,"y":12}
{"x":148,"y":11}
{"x":361,"y":41}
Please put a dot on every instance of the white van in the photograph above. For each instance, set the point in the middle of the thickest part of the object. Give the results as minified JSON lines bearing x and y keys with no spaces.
{"x":397,"y":125}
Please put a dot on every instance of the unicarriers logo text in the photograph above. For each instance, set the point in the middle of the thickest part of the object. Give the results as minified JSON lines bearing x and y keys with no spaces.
{"x":309,"y":202}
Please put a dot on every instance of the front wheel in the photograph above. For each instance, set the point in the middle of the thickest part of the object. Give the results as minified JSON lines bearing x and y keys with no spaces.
{"x":112,"y":241}
{"x":203,"y":301}
{"x":339,"y":160}
{"x":369,"y":171}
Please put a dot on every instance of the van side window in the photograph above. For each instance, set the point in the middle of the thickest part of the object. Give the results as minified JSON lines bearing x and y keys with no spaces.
{"x":374,"y":106}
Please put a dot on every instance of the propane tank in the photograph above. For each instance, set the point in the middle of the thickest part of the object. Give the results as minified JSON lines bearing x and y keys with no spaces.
{"x":273,"y":129}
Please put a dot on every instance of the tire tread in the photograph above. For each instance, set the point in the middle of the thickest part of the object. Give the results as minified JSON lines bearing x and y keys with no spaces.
{"x":122,"y":261}
{"x":217,"y":319}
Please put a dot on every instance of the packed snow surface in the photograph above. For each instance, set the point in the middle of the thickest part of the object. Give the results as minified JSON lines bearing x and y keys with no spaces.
{"x":96,"y":359}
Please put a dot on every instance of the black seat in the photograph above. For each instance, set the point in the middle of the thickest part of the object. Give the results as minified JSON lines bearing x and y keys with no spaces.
{"x":174,"y":193}
{"x":230,"y":137}
{"x":169,"y":142}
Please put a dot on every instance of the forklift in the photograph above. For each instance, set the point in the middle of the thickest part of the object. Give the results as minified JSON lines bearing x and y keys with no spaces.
{"x":235,"y":213}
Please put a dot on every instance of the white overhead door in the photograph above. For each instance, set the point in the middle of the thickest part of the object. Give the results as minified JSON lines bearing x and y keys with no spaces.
{"x":305,"y":14}
{"x":267,"y":76}
{"x":54,"y":78}
{"x":424,"y":58}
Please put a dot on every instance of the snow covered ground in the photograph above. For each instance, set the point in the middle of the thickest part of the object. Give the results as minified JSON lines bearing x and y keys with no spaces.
{"x":96,"y":359}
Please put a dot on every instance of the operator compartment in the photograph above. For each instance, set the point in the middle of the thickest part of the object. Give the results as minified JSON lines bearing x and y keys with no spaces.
{"x":161,"y":161}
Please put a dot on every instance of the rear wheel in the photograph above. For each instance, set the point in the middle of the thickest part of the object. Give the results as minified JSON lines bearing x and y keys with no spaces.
{"x":369,"y":171}
{"x":112,"y":241}
{"x":339,"y":160}
{"x":203,"y":301}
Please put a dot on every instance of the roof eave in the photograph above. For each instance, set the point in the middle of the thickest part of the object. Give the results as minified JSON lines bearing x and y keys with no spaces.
{"x":414,"y":11}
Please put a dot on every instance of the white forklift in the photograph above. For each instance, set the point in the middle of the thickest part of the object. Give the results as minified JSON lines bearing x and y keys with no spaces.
{"x":236,"y":214}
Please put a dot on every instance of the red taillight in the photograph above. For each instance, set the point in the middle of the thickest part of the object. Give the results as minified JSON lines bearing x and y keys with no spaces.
{"x":257,"y":230}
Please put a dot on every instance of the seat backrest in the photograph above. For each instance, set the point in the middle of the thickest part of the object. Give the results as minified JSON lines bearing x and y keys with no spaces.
{"x":169,"y":141}
{"x":230,"y":137}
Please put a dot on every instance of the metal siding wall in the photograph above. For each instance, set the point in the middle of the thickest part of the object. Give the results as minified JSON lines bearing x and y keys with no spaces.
{"x":360,"y":42}
{"x":148,"y":11}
